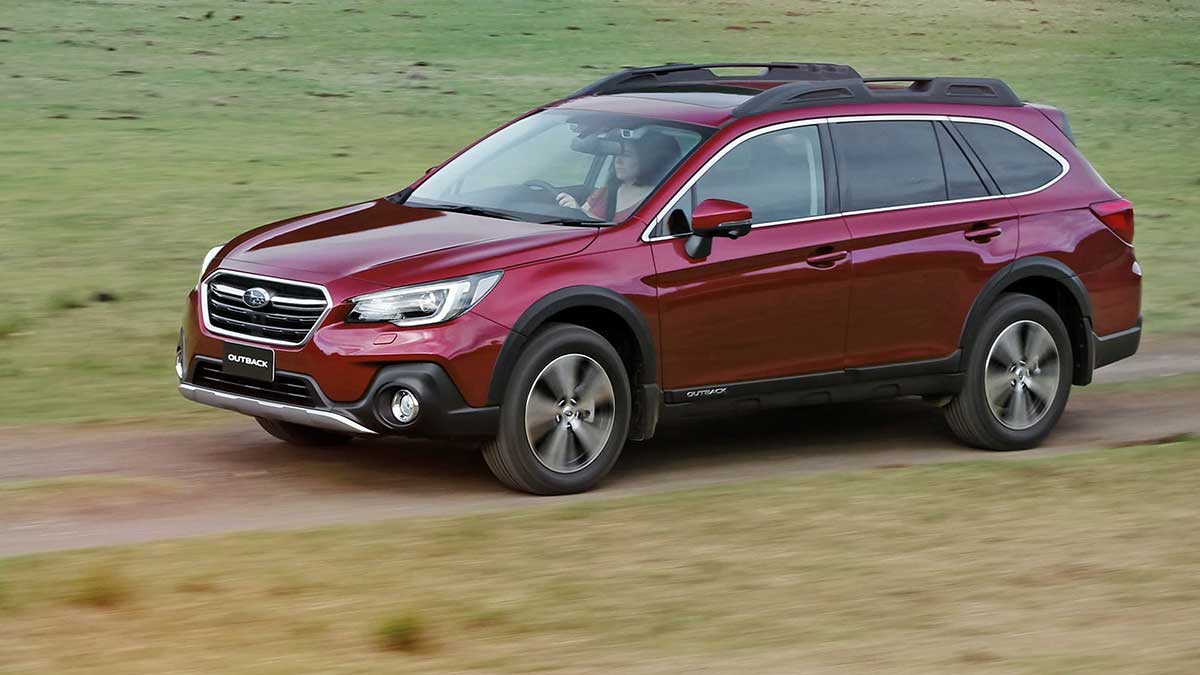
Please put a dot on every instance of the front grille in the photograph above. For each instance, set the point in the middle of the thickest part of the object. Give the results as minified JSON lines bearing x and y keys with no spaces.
{"x":285,"y":389}
{"x":287,"y":319}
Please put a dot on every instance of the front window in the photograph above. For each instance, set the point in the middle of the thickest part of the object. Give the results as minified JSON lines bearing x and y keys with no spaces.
{"x":562,"y":166}
{"x":778,"y":174}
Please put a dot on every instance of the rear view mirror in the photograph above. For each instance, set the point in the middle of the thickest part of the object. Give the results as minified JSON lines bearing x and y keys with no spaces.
{"x":716,"y":218}
{"x":594,"y":145}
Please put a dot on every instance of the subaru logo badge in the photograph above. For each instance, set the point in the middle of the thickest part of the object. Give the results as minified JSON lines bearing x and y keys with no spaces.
{"x":256,"y":297}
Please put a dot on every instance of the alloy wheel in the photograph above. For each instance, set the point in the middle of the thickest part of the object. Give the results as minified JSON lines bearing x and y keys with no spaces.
{"x":1021,"y":374}
{"x":569,"y":413}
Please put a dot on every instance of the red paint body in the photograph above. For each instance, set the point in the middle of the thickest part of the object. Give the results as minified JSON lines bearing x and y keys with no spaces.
{"x":756,"y":308}
{"x":916,"y":275}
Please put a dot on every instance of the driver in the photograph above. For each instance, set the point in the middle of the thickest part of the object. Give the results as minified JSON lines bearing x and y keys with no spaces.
{"x":644,"y":162}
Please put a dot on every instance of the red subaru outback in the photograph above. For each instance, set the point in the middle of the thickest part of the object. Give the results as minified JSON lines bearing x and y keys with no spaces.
{"x":677,"y":240}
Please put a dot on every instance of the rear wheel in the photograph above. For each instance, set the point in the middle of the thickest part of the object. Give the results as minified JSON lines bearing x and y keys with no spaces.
{"x":298,"y":434}
{"x":565,"y":414}
{"x":1018,"y":377}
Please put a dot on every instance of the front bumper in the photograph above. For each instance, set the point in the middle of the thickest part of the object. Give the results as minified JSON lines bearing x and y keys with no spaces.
{"x":345,"y":357}
{"x":443,"y":412}
{"x":351,"y":371}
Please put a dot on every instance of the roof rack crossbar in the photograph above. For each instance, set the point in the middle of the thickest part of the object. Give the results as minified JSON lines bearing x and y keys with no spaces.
{"x":961,"y":90}
{"x":701,"y":73}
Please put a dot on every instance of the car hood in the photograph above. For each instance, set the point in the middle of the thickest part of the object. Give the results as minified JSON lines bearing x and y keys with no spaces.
{"x":394,"y":245}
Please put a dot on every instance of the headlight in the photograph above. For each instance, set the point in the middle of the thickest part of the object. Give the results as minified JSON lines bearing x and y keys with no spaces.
{"x":425,"y":304}
{"x":208,"y":258}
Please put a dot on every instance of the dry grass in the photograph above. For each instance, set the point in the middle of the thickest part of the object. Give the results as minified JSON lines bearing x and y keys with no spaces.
{"x":1083,"y":563}
{"x":102,"y":587}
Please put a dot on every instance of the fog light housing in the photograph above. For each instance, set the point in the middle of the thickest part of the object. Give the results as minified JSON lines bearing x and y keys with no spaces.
{"x":405,"y":406}
{"x":179,"y":365}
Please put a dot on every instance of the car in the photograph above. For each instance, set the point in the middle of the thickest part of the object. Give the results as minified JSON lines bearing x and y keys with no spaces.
{"x":686,"y":240}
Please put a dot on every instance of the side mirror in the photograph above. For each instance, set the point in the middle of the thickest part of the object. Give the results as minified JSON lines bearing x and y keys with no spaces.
{"x":716,"y":218}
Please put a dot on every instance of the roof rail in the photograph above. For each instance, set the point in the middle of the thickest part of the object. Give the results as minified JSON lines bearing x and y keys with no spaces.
{"x":701,"y":73}
{"x":963,"y":90}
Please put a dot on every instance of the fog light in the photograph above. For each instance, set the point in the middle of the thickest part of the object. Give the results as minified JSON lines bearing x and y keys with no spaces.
{"x":405,"y":406}
{"x":179,"y":365}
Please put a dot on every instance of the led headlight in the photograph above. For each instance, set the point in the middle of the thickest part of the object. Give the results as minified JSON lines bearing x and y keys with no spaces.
{"x":425,"y":304}
{"x":208,"y":258}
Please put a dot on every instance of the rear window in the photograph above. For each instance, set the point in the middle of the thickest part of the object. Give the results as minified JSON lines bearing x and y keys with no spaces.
{"x":882,"y":164}
{"x":1014,"y":163}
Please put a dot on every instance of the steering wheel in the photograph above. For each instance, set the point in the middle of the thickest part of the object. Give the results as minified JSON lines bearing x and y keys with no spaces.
{"x":536,"y":184}
{"x":551,"y":192}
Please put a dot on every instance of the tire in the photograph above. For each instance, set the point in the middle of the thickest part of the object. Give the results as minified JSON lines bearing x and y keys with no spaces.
{"x":298,"y":434}
{"x":1020,"y":352}
{"x":550,"y":443}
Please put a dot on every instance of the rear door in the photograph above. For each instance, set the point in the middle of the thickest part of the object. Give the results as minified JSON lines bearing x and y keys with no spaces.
{"x":928,"y":232}
{"x":774,"y":302}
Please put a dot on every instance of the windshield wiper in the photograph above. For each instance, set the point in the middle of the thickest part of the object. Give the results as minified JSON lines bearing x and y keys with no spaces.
{"x":575,"y":222}
{"x":470,"y":210}
{"x":399,"y":197}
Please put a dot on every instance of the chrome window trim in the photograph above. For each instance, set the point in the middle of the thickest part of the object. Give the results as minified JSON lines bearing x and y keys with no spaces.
{"x":250,"y":338}
{"x":662,"y":214}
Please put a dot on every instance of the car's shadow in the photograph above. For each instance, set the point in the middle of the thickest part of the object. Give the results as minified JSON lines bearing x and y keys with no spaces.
{"x":824,"y":436}
{"x":816,"y":431}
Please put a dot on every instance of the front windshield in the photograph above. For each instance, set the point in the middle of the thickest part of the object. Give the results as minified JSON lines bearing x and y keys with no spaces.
{"x":562,"y":166}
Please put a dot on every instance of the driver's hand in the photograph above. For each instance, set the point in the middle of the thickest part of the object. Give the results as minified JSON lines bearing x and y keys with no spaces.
{"x":567,"y":200}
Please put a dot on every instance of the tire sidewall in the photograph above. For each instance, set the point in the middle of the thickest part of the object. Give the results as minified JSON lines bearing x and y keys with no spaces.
{"x":549,"y":344}
{"x":1009,"y":310}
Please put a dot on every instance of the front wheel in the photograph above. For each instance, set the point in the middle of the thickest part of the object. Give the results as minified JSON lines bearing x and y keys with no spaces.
{"x":565,"y":415}
{"x":1018,"y":377}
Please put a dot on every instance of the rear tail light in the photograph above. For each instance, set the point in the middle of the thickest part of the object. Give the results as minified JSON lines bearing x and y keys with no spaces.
{"x":1118,"y":216}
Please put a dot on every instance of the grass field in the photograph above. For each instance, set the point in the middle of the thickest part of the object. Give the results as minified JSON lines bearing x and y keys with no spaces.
{"x":138,"y":134}
{"x":1078,"y":564}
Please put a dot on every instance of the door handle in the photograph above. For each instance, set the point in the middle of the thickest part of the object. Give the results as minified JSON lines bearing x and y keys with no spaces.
{"x":982,"y":234}
{"x":827,"y":259}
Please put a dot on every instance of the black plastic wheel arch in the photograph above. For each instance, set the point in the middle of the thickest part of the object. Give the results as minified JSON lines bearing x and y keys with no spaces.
{"x":564,"y":299}
{"x":1026,"y":268}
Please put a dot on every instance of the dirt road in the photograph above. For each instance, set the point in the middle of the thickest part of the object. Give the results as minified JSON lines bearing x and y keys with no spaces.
{"x":237,"y":478}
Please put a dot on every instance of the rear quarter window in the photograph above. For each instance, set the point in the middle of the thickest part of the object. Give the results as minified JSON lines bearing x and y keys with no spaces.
{"x":1016,"y":164}
{"x":962,"y":182}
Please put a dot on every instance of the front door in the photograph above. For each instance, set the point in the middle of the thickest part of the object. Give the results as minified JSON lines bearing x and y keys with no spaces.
{"x":773,"y":303}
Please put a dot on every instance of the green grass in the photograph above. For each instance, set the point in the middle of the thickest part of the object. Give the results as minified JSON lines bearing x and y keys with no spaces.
{"x":402,"y":632}
{"x":1082,"y":563}
{"x":139,"y":134}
